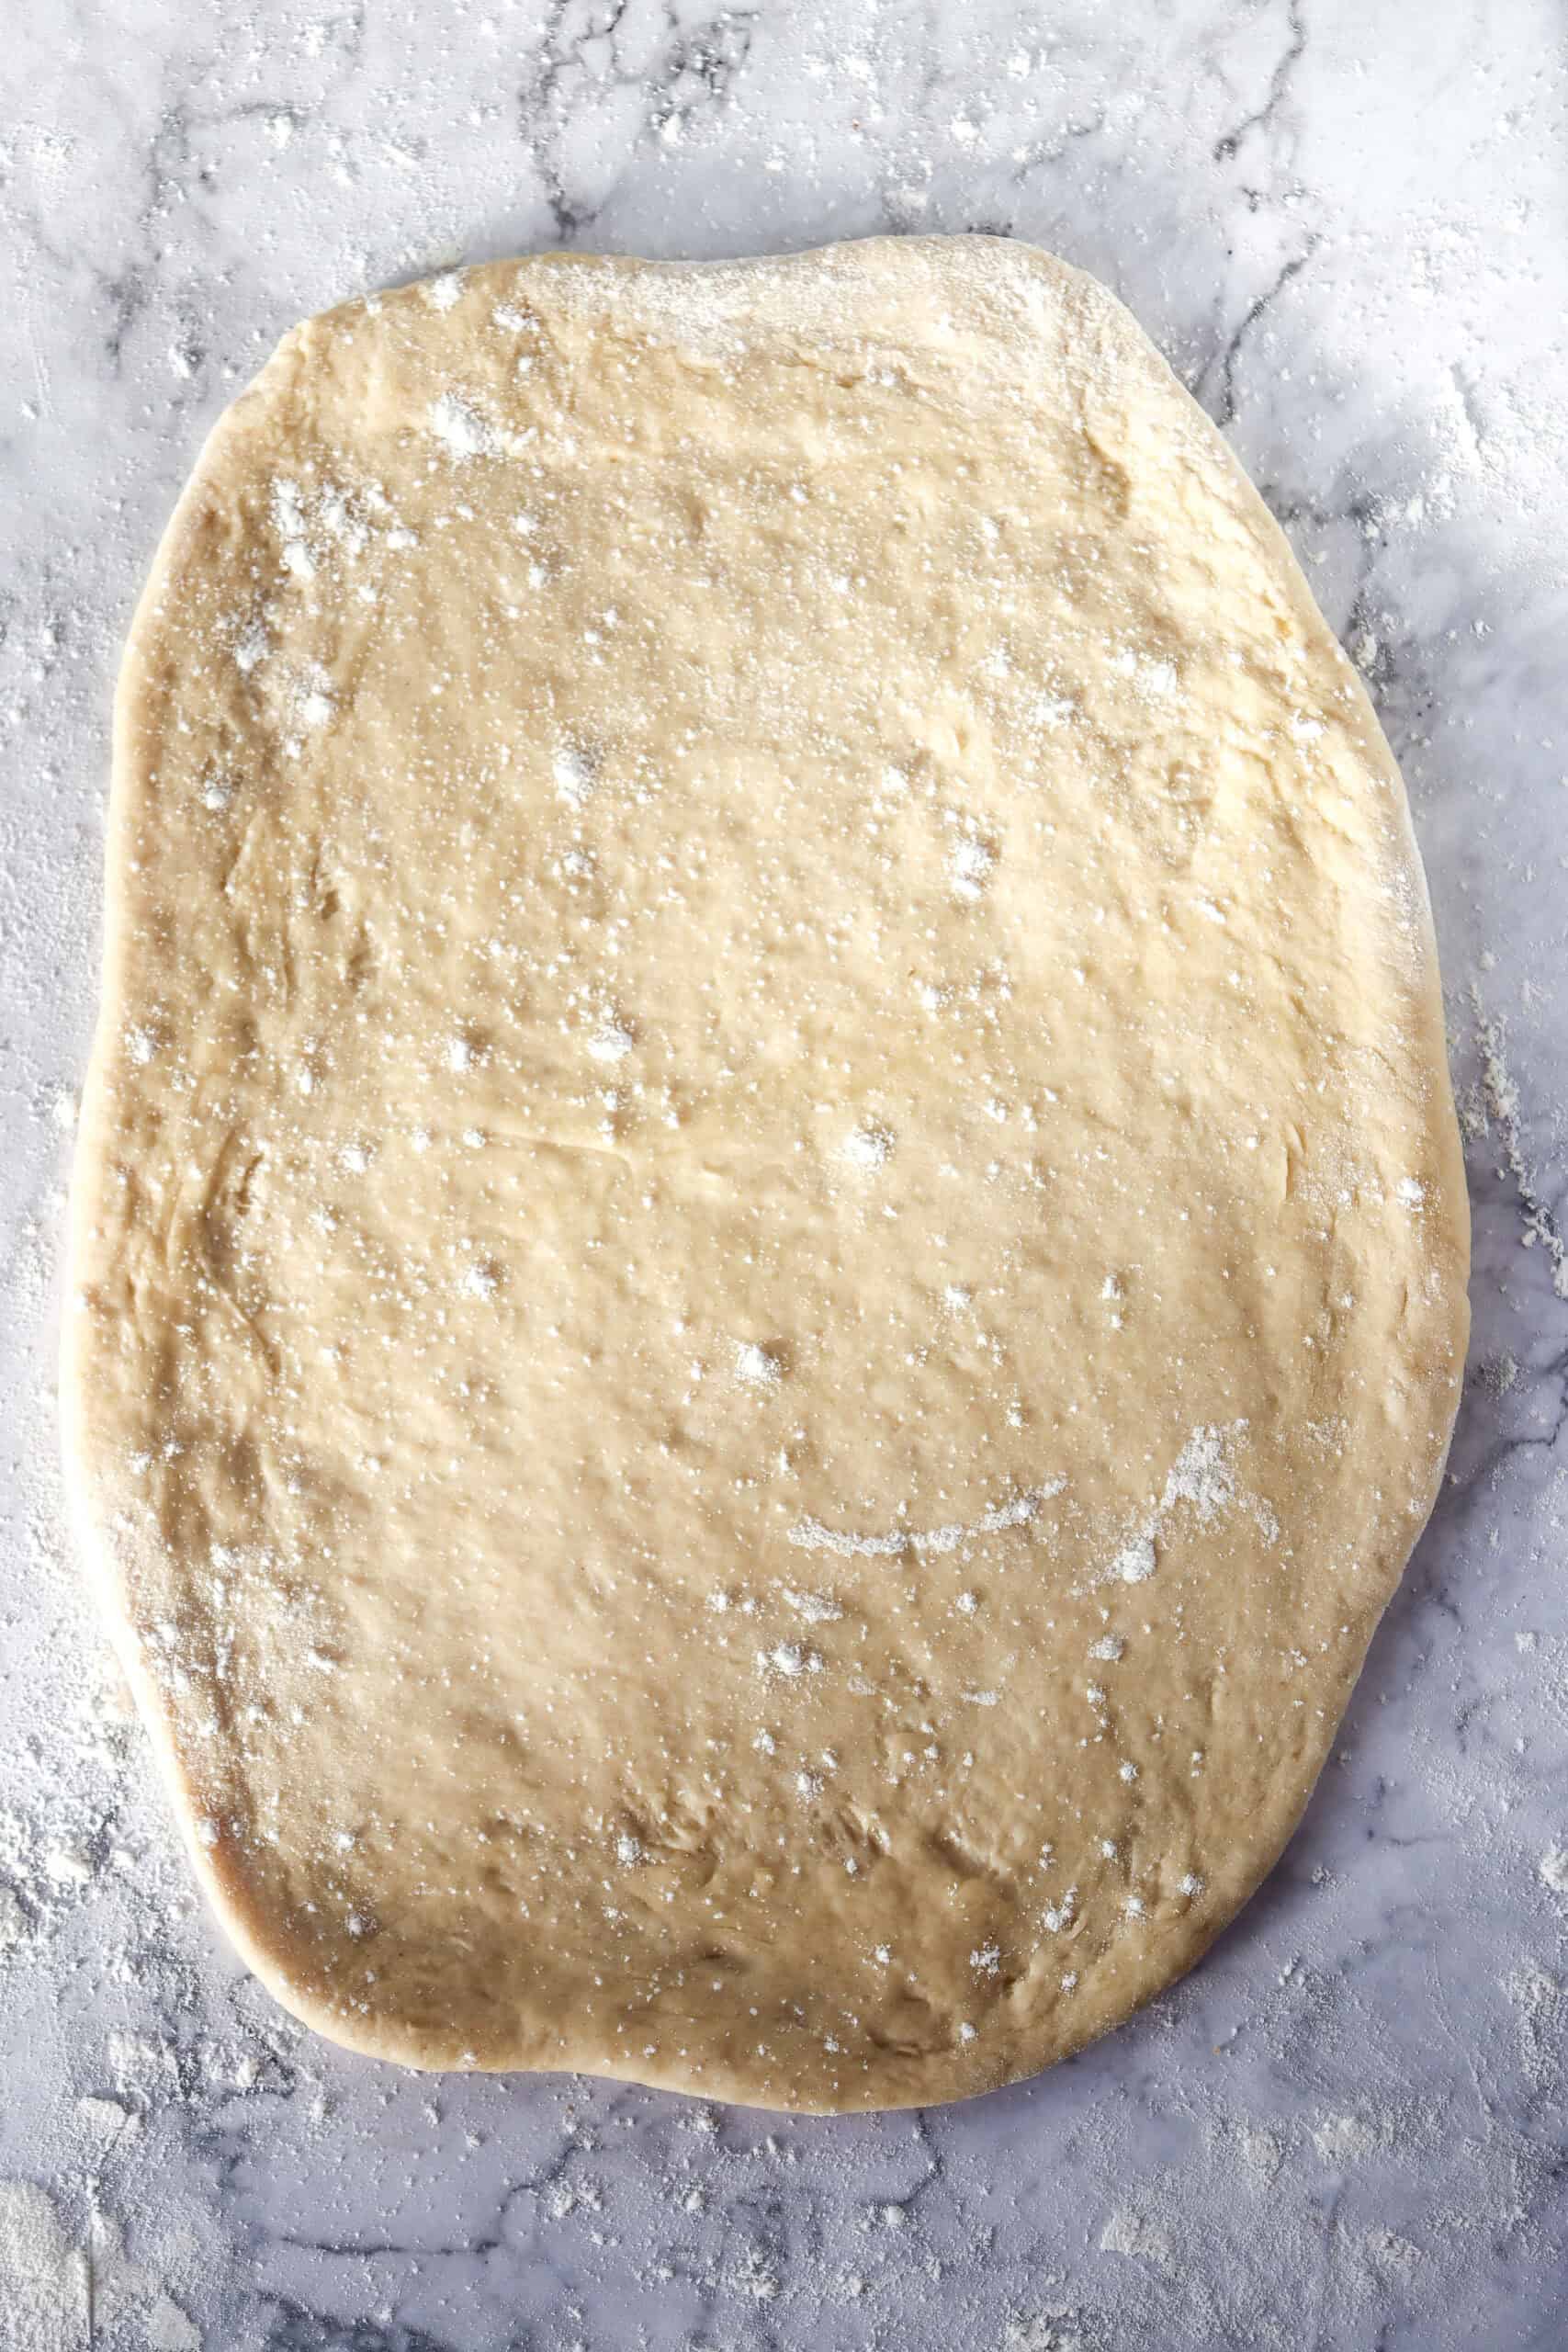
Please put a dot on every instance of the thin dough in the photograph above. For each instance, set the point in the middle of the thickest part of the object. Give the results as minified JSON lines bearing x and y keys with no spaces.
{"x":769,"y":1243}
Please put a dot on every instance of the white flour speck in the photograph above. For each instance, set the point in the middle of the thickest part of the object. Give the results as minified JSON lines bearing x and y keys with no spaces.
{"x":869,"y":1146}
{"x":611,"y":1042}
{"x":1554,"y":1869}
{"x":573,"y":770}
{"x":462,"y":431}
{"x":970,"y":867}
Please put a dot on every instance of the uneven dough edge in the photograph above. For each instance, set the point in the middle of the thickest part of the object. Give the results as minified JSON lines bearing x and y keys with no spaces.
{"x":259,"y":1938}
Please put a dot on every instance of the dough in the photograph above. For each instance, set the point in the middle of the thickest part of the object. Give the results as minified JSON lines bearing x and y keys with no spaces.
{"x":769,"y":1245}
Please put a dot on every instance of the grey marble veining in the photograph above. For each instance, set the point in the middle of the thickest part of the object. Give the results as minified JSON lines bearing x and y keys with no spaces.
{"x":1345,"y":227}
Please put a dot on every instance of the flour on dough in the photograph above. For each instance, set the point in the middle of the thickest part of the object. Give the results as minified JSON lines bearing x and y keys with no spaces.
{"x":769,"y":1246}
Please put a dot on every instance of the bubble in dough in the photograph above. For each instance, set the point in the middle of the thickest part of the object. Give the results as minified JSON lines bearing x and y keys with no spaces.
{"x":769,"y":1248}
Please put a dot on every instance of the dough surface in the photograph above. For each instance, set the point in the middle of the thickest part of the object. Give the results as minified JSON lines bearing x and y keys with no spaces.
{"x":768,"y":1247}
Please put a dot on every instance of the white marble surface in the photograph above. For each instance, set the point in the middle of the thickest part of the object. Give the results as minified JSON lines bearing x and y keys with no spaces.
{"x":1344,"y":225}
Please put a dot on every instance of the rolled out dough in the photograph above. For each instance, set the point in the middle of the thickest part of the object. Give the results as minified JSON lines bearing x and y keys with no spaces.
{"x":769,"y":1243}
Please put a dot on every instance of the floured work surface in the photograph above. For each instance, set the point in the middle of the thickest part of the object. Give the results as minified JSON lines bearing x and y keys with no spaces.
{"x":770,"y":1249}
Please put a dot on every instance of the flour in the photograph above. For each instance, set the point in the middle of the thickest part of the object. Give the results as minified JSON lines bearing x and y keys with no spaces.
{"x":1202,"y":1474}
{"x":1203,"y":1479}
{"x":252,"y":646}
{"x":107,"y":2118}
{"x":812,"y":1608}
{"x":57,"y":2295}
{"x":612,"y":1041}
{"x":575,"y":771}
{"x":868,"y":1147}
{"x":1495,"y":1103}
{"x":790,"y":1660}
{"x":1263,"y":2153}
{"x":1541,"y":2007}
{"x":1341,"y":2139}
{"x":445,"y":292}
{"x":1136,"y":1562}
{"x":971,"y":866}
{"x":13,"y":1924}
{"x":323,"y":526}
{"x":1055,"y":2331}
{"x":1150,"y":677}
{"x":141,"y":2067}
{"x":810,"y":1535}
{"x":1390,"y":2252}
{"x":43,"y":2278}
{"x":51,"y":1865}
{"x":1128,"y":2232}
{"x":460,"y":428}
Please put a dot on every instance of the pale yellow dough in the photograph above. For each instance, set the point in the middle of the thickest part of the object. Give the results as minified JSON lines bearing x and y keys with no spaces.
{"x":769,"y":1243}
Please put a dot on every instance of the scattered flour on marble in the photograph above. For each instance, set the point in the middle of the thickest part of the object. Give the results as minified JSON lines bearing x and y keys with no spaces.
{"x":61,"y":2292}
{"x":1058,"y":2330}
{"x":1263,"y":2153}
{"x":108,"y":2119}
{"x":54,"y":1856}
{"x":1131,"y":2233}
{"x":1491,"y":1105}
{"x":43,"y":2273}
{"x":1341,"y":2139}
{"x":1393,"y":2252}
{"x":1540,"y":2008}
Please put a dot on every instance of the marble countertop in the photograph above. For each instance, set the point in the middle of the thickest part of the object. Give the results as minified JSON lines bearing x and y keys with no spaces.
{"x":1346,"y":228}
